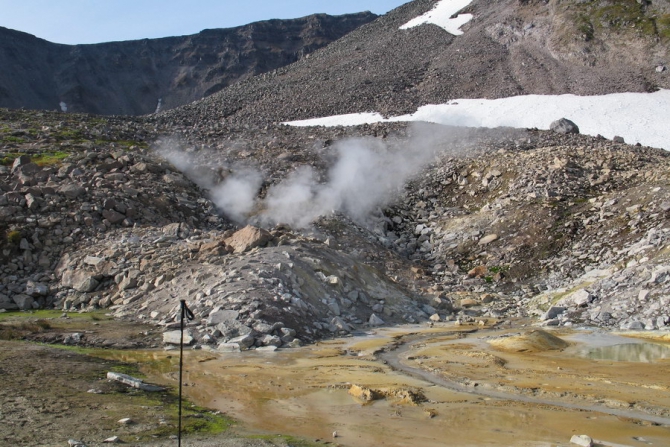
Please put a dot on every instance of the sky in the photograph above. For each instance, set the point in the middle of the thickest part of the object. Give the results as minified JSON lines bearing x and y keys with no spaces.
{"x":94,"y":21}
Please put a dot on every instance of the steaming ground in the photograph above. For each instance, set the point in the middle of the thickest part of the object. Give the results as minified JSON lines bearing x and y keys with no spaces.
{"x":364,"y":175}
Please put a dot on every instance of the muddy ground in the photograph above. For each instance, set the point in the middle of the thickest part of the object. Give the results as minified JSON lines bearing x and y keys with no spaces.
{"x":53,"y":393}
{"x":414,"y":385}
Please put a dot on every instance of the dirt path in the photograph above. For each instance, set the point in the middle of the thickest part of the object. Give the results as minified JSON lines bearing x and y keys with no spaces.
{"x":394,"y":359}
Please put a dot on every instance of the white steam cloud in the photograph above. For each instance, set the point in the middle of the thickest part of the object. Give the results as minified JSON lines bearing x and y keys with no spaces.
{"x":236,"y":195}
{"x":366,"y":174}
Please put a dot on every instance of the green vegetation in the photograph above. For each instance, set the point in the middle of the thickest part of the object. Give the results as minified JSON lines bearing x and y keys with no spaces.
{"x":12,"y":139}
{"x":585,"y":27}
{"x":16,"y":331}
{"x":41,"y":159}
{"x":14,"y":237}
{"x":620,"y":16}
{"x":53,"y":314}
{"x":68,"y":134}
{"x":50,"y":158}
{"x":663,"y":26}
{"x":288,"y":440}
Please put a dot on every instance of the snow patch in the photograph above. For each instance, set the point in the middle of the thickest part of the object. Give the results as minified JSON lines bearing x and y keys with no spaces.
{"x":637,"y":117}
{"x":441,"y":15}
{"x":352,"y":119}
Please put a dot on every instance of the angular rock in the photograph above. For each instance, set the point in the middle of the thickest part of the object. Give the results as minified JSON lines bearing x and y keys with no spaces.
{"x":36,"y":289}
{"x":564,"y":126}
{"x":581,"y":440}
{"x":133,"y":382}
{"x":113,"y":217}
{"x":6,"y":303}
{"x":222,"y":316}
{"x":24,"y":302}
{"x":247,"y":238}
{"x":487,"y":239}
{"x":270,"y":340}
{"x":243,"y":341}
{"x":374,"y":320}
{"x":174,"y":337}
{"x":553,"y":312}
{"x":72,"y":190}
{"x":580,"y":298}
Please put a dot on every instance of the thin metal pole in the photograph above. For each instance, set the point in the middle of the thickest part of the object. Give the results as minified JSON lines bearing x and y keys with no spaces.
{"x":181,"y":364}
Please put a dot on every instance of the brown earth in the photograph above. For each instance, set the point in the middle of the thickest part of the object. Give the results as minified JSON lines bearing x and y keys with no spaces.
{"x":54,"y":393}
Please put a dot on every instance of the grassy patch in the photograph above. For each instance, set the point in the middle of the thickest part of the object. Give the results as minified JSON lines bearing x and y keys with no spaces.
{"x":288,"y":440}
{"x":52,"y":314}
{"x":17,"y":330}
{"x":663,"y":26}
{"x":68,"y":134}
{"x":620,"y":16}
{"x":13,"y":139}
{"x":13,"y":237}
{"x":50,"y":158}
{"x":585,"y":27}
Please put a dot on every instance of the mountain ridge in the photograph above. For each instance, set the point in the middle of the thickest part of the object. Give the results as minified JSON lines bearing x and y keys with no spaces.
{"x":130,"y":77}
{"x":509,"y":48}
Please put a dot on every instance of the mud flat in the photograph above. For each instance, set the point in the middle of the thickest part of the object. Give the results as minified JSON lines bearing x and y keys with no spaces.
{"x":412,"y":385}
{"x":434,"y":386}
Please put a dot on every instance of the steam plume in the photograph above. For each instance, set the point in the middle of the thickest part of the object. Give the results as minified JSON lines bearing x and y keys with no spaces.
{"x":366,"y":174}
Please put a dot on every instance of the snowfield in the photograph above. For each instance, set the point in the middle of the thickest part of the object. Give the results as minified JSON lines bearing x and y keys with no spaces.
{"x":441,"y":15}
{"x":637,"y":117}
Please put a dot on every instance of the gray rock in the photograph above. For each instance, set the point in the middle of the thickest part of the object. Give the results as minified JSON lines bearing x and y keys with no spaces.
{"x":24,"y":302}
{"x":72,"y":191}
{"x":222,"y":316}
{"x":553,"y":312}
{"x":6,"y":303}
{"x":564,"y":126}
{"x":580,"y":298}
{"x":174,"y":337}
{"x":374,"y":320}
{"x":229,"y":347}
{"x":36,"y":289}
{"x":79,"y":280}
{"x":133,"y":382}
{"x":243,"y":341}
{"x":340,"y":324}
{"x":270,"y":340}
{"x":113,"y":217}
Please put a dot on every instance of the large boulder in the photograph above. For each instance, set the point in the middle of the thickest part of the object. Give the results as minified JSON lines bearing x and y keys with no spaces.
{"x":174,"y":337}
{"x":222,"y":316}
{"x":6,"y":303}
{"x":24,"y":302}
{"x":80,"y":280}
{"x":564,"y":126}
{"x":247,"y":238}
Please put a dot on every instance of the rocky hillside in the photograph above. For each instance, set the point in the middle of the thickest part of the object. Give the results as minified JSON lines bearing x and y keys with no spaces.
{"x":567,"y":228}
{"x":278,"y":235}
{"x":139,"y":77}
{"x":509,"y":48}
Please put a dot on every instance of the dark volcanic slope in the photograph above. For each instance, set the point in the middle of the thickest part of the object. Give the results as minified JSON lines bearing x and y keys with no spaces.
{"x":130,"y":77}
{"x":509,"y":48}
